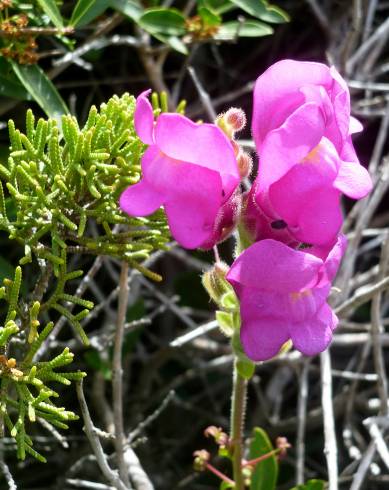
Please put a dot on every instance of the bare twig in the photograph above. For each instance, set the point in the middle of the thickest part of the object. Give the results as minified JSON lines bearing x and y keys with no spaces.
{"x":7,"y":475}
{"x":301,"y":417}
{"x":330,"y":448}
{"x":139,"y":478}
{"x":377,"y":329}
{"x":111,"y":475}
{"x":117,"y":373}
{"x":362,"y":297}
{"x":203,"y":94}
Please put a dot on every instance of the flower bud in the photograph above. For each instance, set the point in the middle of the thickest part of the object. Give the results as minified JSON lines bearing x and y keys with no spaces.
{"x":236,"y":118}
{"x":282,"y":444}
{"x":245,"y":164}
{"x":232,"y":121}
{"x":221,"y":438}
{"x":215,"y":283}
{"x":201,"y":457}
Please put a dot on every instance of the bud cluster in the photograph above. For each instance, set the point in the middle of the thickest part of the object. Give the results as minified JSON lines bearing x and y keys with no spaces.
{"x":21,"y":46}
{"x":231,"y":122}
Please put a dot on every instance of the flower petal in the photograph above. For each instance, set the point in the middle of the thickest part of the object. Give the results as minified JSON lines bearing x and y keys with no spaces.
{"x":290,"y":144}
{"x":191,"y":222}
{"x":273,"y":266}
{"x":292,"y":192}
{"x":314,"y":335}
{"x":277,"y":93}
{"x":144,"y":118}
{"x":263,"y":338}
{"x":193,"y":202}
{"x":353,"y":180}
{"x":204,"y":145}
{"x":321,"y":217}
{"x":140,"y":199}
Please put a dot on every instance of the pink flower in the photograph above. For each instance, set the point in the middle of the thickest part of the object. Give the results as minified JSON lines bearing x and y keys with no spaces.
{"x":302,"y":129}
{"x":188,"y":168}
{"x":283,"y":295}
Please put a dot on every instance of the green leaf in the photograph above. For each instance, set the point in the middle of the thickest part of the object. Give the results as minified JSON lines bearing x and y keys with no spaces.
{"x":226,"y":322}
{"x":246,"y":368}
{"x":209,"y":17}
{"x":41,"y":89}
{"x":229,"y":301}
{"x":262,"y":10}
{"x":226,"y":486}
{"x":219,"y":6}
{"x":87,"y":10}
{"x":311,"y":485}
{"x":129,"y":8}
{"x":51,"y":9}
{"x":168,"y":22}
{"x":13,"y":89}
{"x":248,"y":28}
{"x":265,"y":473}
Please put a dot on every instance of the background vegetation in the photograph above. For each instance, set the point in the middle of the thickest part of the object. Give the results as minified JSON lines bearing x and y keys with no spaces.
{"x":60,"y":59}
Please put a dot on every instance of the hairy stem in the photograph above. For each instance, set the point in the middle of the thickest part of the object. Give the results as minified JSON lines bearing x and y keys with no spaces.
{"x":117,"y":372}
{"x":238,"y":408}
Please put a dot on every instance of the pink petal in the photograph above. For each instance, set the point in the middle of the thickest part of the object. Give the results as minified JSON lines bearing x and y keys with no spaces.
{"x":144,"y":118}
{"x":334,"y":258}
{"x":204,"y":145}
{"x":277,"y":93}
{"x":192,"y":206}
{"x":348,"y":153}
{"x":140,"y":199}
{"x":271,"y":265}
{"x":340,"y":97}
{"x":263,"y":338}
{"x":305,"y":304}
{"x":192,"y":196}
{"x":191,"y":221}
{"x":353,"y":180}
{"x":290,"y":144}
{"x":355,"y":126}
{"x":294,"y":191}
{"x":314,"y":335}
{"x":321,"y":218}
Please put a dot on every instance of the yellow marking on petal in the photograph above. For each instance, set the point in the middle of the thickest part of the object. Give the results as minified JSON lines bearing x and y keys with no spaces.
{"x":313,"y":156}
{"x":295,"y":296}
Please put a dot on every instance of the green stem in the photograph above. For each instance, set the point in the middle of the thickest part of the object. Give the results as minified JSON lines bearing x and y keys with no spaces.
{"x":238,"y":408}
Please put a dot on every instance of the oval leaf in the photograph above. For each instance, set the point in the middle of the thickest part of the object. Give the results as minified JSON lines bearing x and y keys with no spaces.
{"x":209,"y":17}
{"x":51,"y":9}
{"x":131,"y":8}
{"x":87,"y":10}
{"x":262,"y":10}
{"x":168,"y":22}
{"x":265,"y":473}
{"x":250,"y":28}
{"x":41,"y":89}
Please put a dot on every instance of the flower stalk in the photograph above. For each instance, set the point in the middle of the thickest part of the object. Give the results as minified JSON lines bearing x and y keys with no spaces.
{"x":238,"y":409}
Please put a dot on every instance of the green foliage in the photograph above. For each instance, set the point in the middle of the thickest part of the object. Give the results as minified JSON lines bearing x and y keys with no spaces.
{"x":25,"y":396}
{"x":60,"y":184}
{"x":63,"y":185}
{"x":38,"y":85}
{"x":86,"y":11}
{"x":265,"y":474}
{"x":52,"y":11}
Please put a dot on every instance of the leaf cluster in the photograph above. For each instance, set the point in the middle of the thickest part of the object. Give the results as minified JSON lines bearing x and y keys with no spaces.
{"x":59,"y":183}
{"x":25,"y":394}
{"x":59,"y":192}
